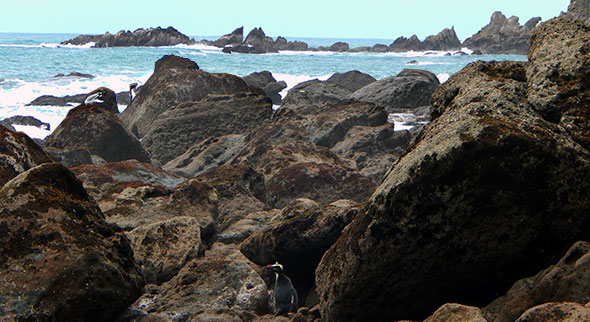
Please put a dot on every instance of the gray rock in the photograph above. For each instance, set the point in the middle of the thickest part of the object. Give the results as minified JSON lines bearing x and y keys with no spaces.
{"x":411,"y":88}
{"x":352,"y":80}
{"x":175,"y":80}
{"x":178,"y":128}
{"x":503,"y":36}
{"x":315,"y":93}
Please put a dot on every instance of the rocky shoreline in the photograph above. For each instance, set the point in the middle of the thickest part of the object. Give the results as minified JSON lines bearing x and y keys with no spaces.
{"x":172,"y":209}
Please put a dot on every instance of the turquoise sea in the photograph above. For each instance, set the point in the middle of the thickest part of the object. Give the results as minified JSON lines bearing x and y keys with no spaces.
{"x":28,"y":62}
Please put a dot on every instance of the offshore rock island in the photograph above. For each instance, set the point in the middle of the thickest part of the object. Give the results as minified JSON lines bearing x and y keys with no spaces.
{"x":501,"y":36}
{"x":173,"y":209}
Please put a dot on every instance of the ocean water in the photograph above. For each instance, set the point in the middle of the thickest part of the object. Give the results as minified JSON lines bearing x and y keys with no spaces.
{"x":28,"y":63}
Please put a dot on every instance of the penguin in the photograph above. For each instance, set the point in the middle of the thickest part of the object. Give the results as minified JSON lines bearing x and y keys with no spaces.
{"x":102,"y":97}
{"x":285,"y":295}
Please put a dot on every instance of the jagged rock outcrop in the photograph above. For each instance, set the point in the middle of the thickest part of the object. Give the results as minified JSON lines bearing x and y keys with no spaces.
{"x":579,"y":10}
{"x":503,"y":36}
{"x":409,"y":89}
{"x":281,"y":43}
{"x":151,"y":37}
{"x":178,"y":128}
{"x":235,"y":37}
{"x":175,"y":80}
{"x":98,"y":129}
{"x":352,"y":80}
{"x":256,"y":42}
{"x":265,"y":81}
{"x":18,"y":153}
{"x":444,"y":40}
{"x":59,"y":259}
{"x":491,"y":191}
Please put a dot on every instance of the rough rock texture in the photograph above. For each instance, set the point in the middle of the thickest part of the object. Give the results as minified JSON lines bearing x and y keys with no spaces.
{"x":318,"y":181}
{"x":559,"y":76}
{"x":557,"y":312}
{"x":70,"y":157}
{"x":164,"y":247}
{"x":178,"y":128}
{"x":579,"y":10}
{"x":240,"y":189}
{"x":59,"y":259}
{"x":151,"y":37}
{"x":352,"y":80}
{"x":99,"y":130}
{"x":207,"y":155}
{"x":293,"y":153}
{"x":242,"y":228}
{"x":411,"y":88}
{"x":222,"y":279}
{"x":452,"y":312}
{"x":490,"y":192}
{"x":566,"y":281}
{"x":299,"y":242}
{"x":503,"y":36}
{"x":18,"y":153}
{"x":315,"y":92}
{"x":175,"y":80}
{"x":444,"y":40}
{"x":132,"y":194}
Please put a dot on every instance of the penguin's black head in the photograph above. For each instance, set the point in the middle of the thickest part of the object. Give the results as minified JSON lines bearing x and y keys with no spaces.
{"x":103,"y":97}
{"x":276,"y":267}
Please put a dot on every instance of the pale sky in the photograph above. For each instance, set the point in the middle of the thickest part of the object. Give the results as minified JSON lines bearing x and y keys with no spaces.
{"x":387,"y":19}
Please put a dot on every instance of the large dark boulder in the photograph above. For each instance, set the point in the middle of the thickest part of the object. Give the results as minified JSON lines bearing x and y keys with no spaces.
{"x":18,"y":153}
{"x":59,"y":259}
{"x":409,"y":89}
{"x":352,"y":80}
{"x":314,"y":93}
{"x":503,"y":36}
{"x":151,"y":37}
{"x":178,"y":128}
{"x":490,"y":192}
{"x":98,"y":129}
{"x":175,"y":80}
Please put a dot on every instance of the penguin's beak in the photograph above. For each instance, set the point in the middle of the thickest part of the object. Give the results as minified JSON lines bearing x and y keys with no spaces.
{"x":94,"y":99}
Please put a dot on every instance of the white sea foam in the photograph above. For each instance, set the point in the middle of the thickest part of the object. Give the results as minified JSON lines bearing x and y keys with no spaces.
{"x":293,"y":80}
{"x":443,"y":77}
{"x":304,"y":52}
{"x":14,"y":99}
{"x":32,"y":131}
